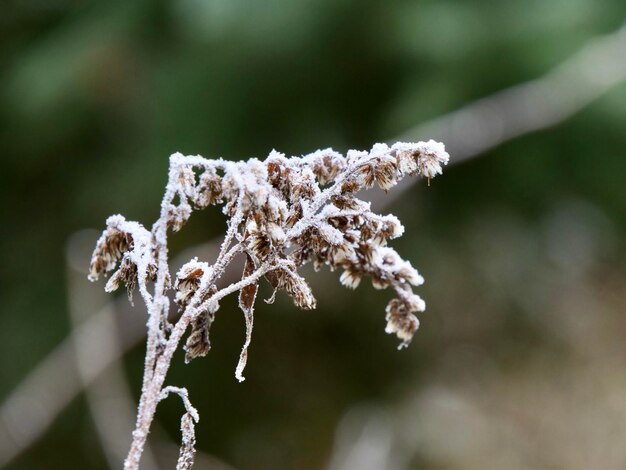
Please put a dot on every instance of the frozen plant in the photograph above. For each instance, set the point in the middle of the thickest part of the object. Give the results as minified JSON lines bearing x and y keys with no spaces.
{"x":281,"y":214}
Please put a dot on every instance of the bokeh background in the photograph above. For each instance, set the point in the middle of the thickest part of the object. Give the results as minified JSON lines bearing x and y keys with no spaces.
{"x":520,"y":360}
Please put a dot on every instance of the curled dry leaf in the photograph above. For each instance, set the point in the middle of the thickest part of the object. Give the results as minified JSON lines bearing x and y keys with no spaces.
{"x":198,"y":344}
{"x":247,"y":296}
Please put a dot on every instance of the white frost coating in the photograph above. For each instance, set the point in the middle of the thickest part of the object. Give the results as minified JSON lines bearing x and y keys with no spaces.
{"x":393,"y":264}
{"x":282,"y":213}
{"x":276,"y":233}
{"x":187,"y":427}
{"x":131,"y":243}
{"x":184,"y":395}
{"x":350,"y":279}
{"x":432,"y":155}
{"x":329,"y":233}
{"x":187,"y":449}
{"x":247,"y":297}
{"x":417,"y":303}
{"x":243,"y":356}
{"x":401,"y":332}
{"x":397,"y":229}
{"x":191,"y":266}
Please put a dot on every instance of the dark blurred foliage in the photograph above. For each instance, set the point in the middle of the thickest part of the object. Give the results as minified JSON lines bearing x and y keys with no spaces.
{"x":94,"y":96}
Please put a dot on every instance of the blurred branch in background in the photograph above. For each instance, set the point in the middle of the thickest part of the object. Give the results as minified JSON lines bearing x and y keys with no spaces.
{"x":55,"y":382}
{"x":49,"y":388}
{"x":531,"y":106}
{"x":88,"y":359}
{"x":535,"y":105}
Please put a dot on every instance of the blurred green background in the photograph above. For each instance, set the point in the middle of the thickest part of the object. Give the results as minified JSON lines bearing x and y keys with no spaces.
{"x":520,"y":361}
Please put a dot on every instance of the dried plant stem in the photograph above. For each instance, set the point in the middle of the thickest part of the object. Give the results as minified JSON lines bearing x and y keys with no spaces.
{"x":150,"y":395}
{"x":282,"y":214}
{"x":154,"y":375}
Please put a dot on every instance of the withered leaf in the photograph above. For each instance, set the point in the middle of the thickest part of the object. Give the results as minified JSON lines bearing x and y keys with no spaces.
{"x":247,"y":295}
{"x":272,"y":278}
{"x":198,"y":343}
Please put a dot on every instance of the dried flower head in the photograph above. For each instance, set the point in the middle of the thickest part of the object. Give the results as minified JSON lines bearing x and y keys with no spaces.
{"x":282,"y":214}
{"x":285,"y":210}
{"x":129,"y":243}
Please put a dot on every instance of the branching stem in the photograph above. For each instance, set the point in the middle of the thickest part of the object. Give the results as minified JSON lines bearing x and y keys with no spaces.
{"x":283,"y":213}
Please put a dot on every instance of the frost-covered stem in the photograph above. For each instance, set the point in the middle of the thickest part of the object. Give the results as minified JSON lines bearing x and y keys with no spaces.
{"x":283,"y":213}
{"x":184,"y":396}
{"x":335,"y":188}
{"x":152,"y":392}
{"x":187,"y":448}
{"x":187,"y":427}
{"x":225,"y":257}
{"x":246,"y":281}
{"x":233,"y":226}
{"x":158,"y":307}
{"x":325,"y":195}
{"x":222,"y":263}
{"x":158,"y":304}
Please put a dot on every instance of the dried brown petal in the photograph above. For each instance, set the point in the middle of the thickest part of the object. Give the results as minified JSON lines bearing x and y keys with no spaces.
{"x":406,"y":162}
{"x":259,"y":244}
{"x":187,"y":181}
{"x":295,"y":214}
{"x":401,"y":321}
{"x":327,"y":166}
{"x":187,"y":282}
{"x":380,"y":280}
{"x":385,"y":174}
{"x":304,"y":186}
{"x":345,"y":202}
{"x":279,"y":174}
{"x":108,"y":251}
{"x":209,"y":189}
{"x":178,"y":215}
{"x":198,"y":344}
{"x":367,"y":172}
{"x":350,"y":185}
{"x":126,"y":274}
{"x":350,"y":278}
{"x":299,"y":290}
